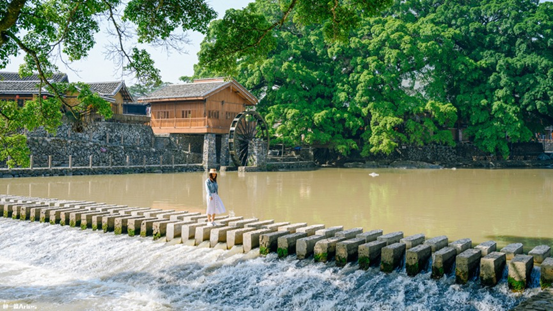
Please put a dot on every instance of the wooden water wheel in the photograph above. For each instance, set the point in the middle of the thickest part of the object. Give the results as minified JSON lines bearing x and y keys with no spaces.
{"x":246,"y":126}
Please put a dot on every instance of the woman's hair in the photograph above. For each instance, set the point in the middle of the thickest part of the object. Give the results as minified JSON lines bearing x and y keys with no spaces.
{"x":212,"y":177}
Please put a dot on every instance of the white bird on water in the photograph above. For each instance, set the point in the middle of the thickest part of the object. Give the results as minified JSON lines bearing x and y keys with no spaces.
{"x":373,"y":174}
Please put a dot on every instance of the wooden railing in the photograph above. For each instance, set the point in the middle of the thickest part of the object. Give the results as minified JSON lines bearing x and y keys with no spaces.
{"x":179,"y":123}
{"x":189,"y":123}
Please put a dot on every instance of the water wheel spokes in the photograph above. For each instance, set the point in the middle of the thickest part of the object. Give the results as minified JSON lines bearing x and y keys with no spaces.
{"x":245,"y":127}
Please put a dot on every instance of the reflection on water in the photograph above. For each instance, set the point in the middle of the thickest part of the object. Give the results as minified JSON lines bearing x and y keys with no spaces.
{"x":478,"y":204}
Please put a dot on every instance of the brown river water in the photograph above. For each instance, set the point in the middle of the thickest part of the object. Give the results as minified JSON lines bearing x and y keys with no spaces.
{"x":502,"y":205}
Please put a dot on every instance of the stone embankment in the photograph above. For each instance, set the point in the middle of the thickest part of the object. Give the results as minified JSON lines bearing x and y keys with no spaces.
{"x":99,"y":170}
{"x":374,"y":249}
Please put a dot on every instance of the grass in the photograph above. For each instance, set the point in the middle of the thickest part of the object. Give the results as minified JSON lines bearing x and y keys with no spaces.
{"x":322,"y":257}
{"x":72,"y":223}
{"x":364,"y":263}
{"x":83,"y":226}
{"x":517,"y":286}
{"x":386,"y":267}
{"x":157,"y":236}
{"x":282,"y":252}
{"x":130,"y":232}
{"x":94,"y":227}
{"x":263,"y":250}
{"x":117,"y":230}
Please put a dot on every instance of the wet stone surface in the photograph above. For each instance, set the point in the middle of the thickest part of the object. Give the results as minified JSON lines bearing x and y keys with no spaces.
{"x":540,"y":302}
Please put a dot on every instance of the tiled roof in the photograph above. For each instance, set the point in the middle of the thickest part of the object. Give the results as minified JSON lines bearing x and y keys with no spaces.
{"x":20,"y":87}
{"x":106,"y":88}
{"x":184,"y":90}
{"x":14,"y":76}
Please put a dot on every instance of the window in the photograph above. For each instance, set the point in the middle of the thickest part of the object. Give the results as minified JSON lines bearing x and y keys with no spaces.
{"x":213,"y":114}
{"x":163,"y":114}
{"x":186,"y":114}
{"x":230,"y":115}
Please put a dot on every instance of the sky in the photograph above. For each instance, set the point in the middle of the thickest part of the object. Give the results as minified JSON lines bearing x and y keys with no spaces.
{"x":96,"y":68}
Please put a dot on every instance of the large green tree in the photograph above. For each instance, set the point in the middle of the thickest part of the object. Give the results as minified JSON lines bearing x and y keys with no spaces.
{"x":46,"y":30}
{"x":499,"y":72}
{"x":405,"y":77}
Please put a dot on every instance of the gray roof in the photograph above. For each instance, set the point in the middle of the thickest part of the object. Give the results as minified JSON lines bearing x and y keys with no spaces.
{"x":14,"y":76}
{"x":12,"y":83}
{"x":106,"y":88}
{"x":185,"y":90}
{"x":21,"y":87}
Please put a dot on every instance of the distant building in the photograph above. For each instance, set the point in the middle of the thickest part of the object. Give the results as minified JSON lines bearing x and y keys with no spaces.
{"x":116,"y":93}
{"x":206,"y":106}
{"x":13,"y":87}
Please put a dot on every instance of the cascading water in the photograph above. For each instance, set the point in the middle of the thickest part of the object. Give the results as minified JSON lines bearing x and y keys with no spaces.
{"x":59,"y":268}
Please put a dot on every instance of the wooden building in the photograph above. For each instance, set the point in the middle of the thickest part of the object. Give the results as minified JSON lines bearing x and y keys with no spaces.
{"x":15,"y":88}
{"x":206,"y":106}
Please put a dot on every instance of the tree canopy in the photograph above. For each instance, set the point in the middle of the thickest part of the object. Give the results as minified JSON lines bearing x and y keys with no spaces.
{"x":66,"y":30}
{"x":46,"y":30}
{"x":405,"y":76}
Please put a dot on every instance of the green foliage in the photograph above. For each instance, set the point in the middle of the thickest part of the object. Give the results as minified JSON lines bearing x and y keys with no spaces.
{"x":46,"y":30}
{"x":263,"y":250}
{"x":364,"y":263}
{"x":282,"y":252}
{"x":322,"y":257}
{"x":402,"y":78}
{"x":251,"y":33}
{"x":514,"y":285}
{"x":412,"y":270}
{"x":386,"y":267}
{"x":129,"y":231}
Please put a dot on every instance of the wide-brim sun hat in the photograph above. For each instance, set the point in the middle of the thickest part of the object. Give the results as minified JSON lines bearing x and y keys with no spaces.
{"x":213,"y":171}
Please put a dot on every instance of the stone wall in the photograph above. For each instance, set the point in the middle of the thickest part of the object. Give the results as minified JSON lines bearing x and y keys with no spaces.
{"x":462,"y":155}
{"x":43,"y":172}
{"x":109,"y":143}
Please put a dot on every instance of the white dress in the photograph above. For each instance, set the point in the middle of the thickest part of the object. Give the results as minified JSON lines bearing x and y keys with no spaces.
{"x":214,"y":202}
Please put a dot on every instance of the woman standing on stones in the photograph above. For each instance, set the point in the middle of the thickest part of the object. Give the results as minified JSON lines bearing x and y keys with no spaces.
{"x":214,"y":203}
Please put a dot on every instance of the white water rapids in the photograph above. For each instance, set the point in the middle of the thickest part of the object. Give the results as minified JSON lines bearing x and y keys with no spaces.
{"x":46,"y":267}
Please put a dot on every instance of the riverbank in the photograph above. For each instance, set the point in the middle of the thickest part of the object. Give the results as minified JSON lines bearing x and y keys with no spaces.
{"x":487,"y":164}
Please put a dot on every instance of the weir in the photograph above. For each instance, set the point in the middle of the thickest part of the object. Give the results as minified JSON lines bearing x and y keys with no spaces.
{"x":390,"y":252}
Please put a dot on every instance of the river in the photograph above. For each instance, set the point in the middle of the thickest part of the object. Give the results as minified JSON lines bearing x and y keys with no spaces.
{"x":60,"y":268}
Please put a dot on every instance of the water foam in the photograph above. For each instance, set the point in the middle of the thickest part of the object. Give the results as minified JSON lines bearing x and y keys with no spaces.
{"x":61,"y":268}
